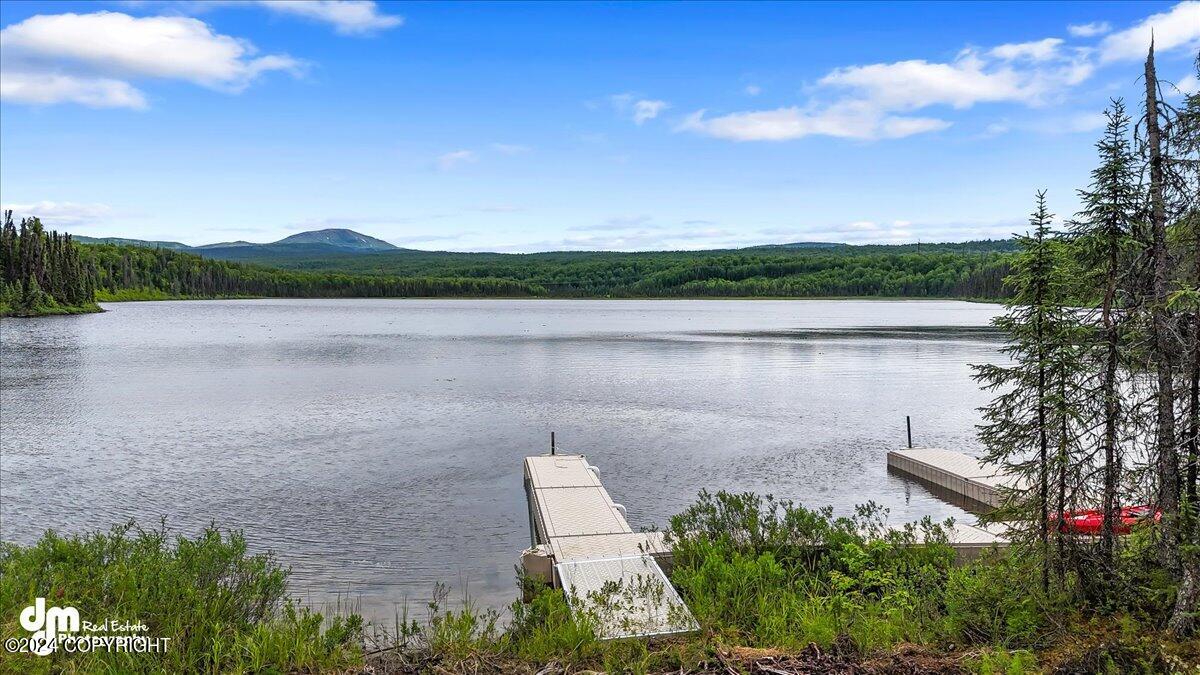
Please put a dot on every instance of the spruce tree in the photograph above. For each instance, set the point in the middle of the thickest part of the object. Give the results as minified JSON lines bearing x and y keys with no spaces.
{"x":1026,"y":428}
{"x":1104,"y":242}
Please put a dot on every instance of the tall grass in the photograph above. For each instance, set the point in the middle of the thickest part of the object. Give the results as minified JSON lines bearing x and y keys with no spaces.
{"x":772,"y":585}
{"x":223,"y":608}
{"x":768,"y":573}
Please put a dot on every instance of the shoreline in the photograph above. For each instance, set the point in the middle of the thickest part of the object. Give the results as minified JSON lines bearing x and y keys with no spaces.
{"x":856,"y":298}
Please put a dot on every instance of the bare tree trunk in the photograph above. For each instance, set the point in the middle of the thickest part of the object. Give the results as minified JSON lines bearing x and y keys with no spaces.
{"x":1108,"y":389}
{"x":1193,"y":443}
{"x":1183,"y":619}
{"x":1167,"y":455}
{"x":1043,"y":444}
{"x":1061,"y":501}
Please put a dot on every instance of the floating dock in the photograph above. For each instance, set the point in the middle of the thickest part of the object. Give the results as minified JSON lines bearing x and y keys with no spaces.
{"x":953,"y":472}
{"x":581,"y":542}
{"x":964,"y":480}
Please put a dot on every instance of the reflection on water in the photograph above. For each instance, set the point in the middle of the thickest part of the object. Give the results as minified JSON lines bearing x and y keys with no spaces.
{"x":376,"y":444}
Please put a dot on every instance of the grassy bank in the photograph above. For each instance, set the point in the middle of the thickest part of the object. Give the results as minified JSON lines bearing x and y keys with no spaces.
{"x":775,"y":588}
{"x":152,"y":294}
{"x":47,"y":309}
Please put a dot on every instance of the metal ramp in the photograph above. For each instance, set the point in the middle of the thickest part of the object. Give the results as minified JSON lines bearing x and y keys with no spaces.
{"x":606,"y":569}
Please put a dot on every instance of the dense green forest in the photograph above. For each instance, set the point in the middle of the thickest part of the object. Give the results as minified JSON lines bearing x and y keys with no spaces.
{"x":131,"y":272}
{"x":42,"y":272}
{"x":59,"y":275}
{"x":970,"y":269}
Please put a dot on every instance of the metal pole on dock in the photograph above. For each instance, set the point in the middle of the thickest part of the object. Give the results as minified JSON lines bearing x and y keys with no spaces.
{"x":552,"y":443}
{"x":908,"y":423}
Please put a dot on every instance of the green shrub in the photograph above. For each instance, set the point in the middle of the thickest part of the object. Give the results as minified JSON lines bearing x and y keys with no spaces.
{"x":1003,"y":662}
{"x":769,"y":573}
{"x":223,"y":608}
{"x":997,"y":601}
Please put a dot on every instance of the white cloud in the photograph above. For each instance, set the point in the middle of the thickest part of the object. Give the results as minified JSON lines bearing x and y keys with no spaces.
{"x":865,"y":102}
{"x":1188,"y":84}
{"x":51,"y":88}
{"x":1084,"y":122}
{"x":640,"y":110}
{"x":617,"y":223}
{"x":752,"y":90}
{"x":850,"y":119}
{"x":510,"y":148}
{"x":1038,"y":50}
{"x":61,"y":214}
{"x":893,"y":232}
{"x":647,"y":110}
{"x":348,"y":17}
{"x":996,"y":129}
{"x":969,"y":79}
{"x":1177,"y":28}
{"x":874,"y":101}
{"x":1092,"y":29}
{"x":645,"y":240}
{"x":452,"y":160}
{"x":89,"y":58}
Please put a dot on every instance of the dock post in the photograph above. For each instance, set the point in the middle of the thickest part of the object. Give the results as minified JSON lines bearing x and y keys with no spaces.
{"x":908,"y":423}
{"x":552,"y":442}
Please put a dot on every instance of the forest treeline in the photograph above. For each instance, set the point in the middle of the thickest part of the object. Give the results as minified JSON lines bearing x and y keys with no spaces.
{"x":130,"y":272}
{"x":48,"y":273}
{"x":961,"y":270}
{"x":124,"y":272}
{"x":42,"y":272}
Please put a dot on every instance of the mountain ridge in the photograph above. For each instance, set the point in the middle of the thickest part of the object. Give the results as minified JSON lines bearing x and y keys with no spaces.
{"x":330,"y":240}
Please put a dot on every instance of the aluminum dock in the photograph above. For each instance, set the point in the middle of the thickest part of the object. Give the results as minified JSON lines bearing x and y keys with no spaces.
{"x":965,"y":481}
{"x":581,"y":542}
{"x":954,"y":473}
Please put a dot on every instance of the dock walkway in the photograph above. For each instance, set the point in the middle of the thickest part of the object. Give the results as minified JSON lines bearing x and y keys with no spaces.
{"x":963,"y":479}
{"x":581,"y":542}
{"x":955,"y":472}
{"x":593,"y":554}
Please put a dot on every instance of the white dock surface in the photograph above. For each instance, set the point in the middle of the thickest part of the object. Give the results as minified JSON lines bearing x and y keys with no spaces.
{"x":604,"y":566}
{"x":963,"y":476}
{"x":956,"y":472}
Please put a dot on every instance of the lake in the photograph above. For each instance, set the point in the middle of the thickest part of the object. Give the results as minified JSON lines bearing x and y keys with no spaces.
{"x":376,"y":445}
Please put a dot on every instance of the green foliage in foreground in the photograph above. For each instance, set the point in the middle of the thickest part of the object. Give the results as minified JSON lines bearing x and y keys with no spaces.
{"x":764,"y":578}
{"x":223,"y":608}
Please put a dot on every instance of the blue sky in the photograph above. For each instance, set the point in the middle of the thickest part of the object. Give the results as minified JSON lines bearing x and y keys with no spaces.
{"x":523,"y":127}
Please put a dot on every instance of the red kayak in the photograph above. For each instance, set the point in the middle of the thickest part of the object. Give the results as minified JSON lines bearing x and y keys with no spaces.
{"x":1091,"y":521}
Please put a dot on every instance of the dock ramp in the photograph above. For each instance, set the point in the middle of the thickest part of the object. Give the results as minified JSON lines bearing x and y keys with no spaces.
{"x":606,"y":569}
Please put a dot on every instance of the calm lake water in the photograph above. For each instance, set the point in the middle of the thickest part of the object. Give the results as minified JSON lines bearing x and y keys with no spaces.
{"x":376,"y":445}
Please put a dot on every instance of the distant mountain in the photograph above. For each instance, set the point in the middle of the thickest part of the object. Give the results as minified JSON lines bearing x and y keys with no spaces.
{"x":317,"y":242}
{"x":173,"y":245}
{"x":228,"y":244}
{"x":804,"y":244}
{"x":340,"y":238}
{"x":269,"y":254}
